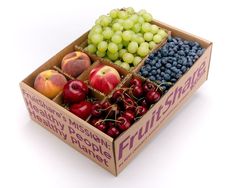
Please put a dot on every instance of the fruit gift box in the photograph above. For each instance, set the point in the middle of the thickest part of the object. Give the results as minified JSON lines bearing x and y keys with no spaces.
{"x":112,"y":89}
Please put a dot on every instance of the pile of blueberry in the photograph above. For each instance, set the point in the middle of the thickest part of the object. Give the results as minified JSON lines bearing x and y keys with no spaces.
{"x":166,"y":65}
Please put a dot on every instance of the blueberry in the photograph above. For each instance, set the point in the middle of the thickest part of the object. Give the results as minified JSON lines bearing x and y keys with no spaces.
{"x":157,"y":65}
{"x":151,"y":56}
{"x":186,"y":42}
{"x":164,"y":61}
{"x":168,"y":71}
{"x":164,"y":53}
{"x":175,"y":48}
{"x":162,"y":73}
{"x":178,"y":66}
{"x":154,"y":72}
{"x":191,"y":43}
{"x":142,"y":69}
{"x":167,"y":77}
{"x":173,"y":80}
{"x":158,"y":71}
{"x":196,"y":44}
{"x":178,"y":75}
{"x":152,"y":78}
{"x":168,"y":65}
{"x":162,"y":68}
{"x":174,"y":40}
{"x":153,"y":62}
{"x":175,"y":70}
{"x":159,"y":77}
{"x":180,"y":43}
{"x":149,"y":74}
{"x":173,"y":74}
{"x":174,"y":63}
{"x":145,"y":73}
{"x":181,"y":52}
{"x":147,"y":61}
{"x":200,"y":52}
{"x":178,"y":39}
{"x":159,"y":55}
{"x":163,"y":88}
{"x":183,"y":69}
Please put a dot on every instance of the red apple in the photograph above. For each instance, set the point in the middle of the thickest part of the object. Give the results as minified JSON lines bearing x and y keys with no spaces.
{"x":104,"y":78}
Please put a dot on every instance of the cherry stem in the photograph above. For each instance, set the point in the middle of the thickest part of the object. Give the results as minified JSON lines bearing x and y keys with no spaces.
{"x":104,"y":120}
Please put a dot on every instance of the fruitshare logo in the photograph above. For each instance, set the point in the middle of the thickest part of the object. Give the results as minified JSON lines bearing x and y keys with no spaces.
{"x":160,"y":114}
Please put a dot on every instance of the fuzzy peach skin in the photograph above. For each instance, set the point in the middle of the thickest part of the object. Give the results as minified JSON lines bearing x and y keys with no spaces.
{"x":49,"y":83}
{"x":75,"y":63}
{"x":104,"y":78}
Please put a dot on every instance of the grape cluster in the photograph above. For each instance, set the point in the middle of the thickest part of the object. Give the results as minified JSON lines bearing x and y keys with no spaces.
{"x":124,"y":36}
{"x":167,"y":65}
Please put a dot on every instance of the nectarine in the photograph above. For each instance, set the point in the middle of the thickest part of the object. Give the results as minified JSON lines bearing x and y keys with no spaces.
{"x":49,"y":83}
{"x":75,"y":63}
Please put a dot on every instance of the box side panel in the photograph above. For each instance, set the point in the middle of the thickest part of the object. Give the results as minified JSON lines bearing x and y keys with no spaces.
{"x":77,"y":133}
{"x":130,"y":143}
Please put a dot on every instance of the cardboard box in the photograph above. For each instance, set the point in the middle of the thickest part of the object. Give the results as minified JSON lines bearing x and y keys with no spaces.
{"x":113,"y":154}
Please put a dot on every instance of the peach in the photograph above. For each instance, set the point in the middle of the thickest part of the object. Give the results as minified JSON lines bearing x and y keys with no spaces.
{"x":75,"y":63}
{"x":49,"y":83}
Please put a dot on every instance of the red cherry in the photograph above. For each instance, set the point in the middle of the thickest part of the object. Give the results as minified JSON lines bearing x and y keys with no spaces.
{"x":123,"y":123}
{"x":74,"y":91}
{"x":129,"y":108}
{"x":82,"y":109}
{"x":148,"y":86}
{"x":141,"y":110}
{"x":152,"y":97}
{"x":136,"y":82}
{"x":101,"y":126}
{"x":106,"y":105}
{"x":96,"y":109}
{"x":129,"y":115}
{"x":94,"y":120}
{"x":129,"y":101}
{"x":113,"y":132}
{"x":143,"y":102}
{"x":117,"y":95}
{"x":110,"y":123}
{"x":137,"y":91}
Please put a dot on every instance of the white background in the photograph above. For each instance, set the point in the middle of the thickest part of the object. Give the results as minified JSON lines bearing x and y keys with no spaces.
{"x":196,"y":149}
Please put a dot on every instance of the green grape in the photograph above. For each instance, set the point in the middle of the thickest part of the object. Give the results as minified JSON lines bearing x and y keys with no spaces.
{"x":130,"y":10}
{"x":134,"y":38}
{"x":96,"y":38}
{"x":136,"y":60}
{"x":142,"y":51}
{"x":132,"y":47}
{"x":112,"y":47}
{"x":117,"y":27}
{"x":148,"y":36}
{"x":146,"y":27}
{"x":157,"y":38}
{"x":136,"y":28}
{"x":128,"y":57}
{"x":96,"y":29}
{"x":89,"y":41}
{"x":120,"y":46}
{"x":162,"y":33}
{"x":97,"y":22}
{"x":102,"y":46}
{"x":140,"y":19}
{"x":127,"y":35}
{"x":142,"y":11}
{"x":105,"y":21}
{"x":120,"y":21}
{"x":125,"y":43}
{"x":145,"y":44}
{"x":118,"y":33}
{"x":116,"y":39}
{"x":140,"y":34}
{"x":113,"y":13}
{"x":147,"y":17}
{"x":125,"y":66}
{"x":127,"y":24}
{"x":107,"y":33}
{"x":118,"y":62}
{"x":100,"y":54}
{"x":134,"y":18}
{"x":154,"y":29}
{"x":152,"y":45}
{"x":122,"y":14}
{"x":140,"y":40}
{"x":91,"y":48}
{"x":112,"y":56}
{"x":122,"y":52}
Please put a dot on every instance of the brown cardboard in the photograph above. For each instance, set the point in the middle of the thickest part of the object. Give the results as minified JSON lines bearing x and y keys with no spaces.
{"x":112,"y":155}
